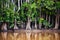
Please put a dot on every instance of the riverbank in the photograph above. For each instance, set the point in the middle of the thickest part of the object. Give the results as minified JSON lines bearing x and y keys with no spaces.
{"x":21,"y":30}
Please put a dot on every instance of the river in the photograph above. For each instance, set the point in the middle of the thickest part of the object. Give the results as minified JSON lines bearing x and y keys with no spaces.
{"x":29,"y":36}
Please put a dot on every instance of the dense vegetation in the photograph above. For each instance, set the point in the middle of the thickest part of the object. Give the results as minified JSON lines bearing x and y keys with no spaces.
{"x":31,"y":14}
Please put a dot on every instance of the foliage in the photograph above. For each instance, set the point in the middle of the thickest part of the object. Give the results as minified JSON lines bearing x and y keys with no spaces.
{"x":32,"y":10}
{"x":41,"y":20}
{"x":58,"y":4}
{"x":45,"y":22}
{"x":29,"y":10}
{"x":7,"y":14}
{"x":49,"y":4}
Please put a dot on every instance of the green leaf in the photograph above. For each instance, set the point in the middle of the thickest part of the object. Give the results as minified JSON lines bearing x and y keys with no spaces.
{"x":58,"y":4}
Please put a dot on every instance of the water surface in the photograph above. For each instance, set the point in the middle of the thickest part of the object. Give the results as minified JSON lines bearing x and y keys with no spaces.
{"x":29,"y":36}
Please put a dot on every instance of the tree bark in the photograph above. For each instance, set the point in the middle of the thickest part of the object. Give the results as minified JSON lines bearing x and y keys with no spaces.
{"x":18,"y":4}
{"x":22,"y":24}
{"x":4,"y":26}
{"x":28,"y":24}
{"x":35,"y":24}
{"x":40,"y":25}
{"x":27,"y":0}
{"x":15,"y":26}
{"x":56,"y":22}
{"x":40,"y":17}
{"x":49,"y":18}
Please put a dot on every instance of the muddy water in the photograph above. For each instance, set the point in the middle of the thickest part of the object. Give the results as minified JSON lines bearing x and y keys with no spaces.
{"x":29,"y":36}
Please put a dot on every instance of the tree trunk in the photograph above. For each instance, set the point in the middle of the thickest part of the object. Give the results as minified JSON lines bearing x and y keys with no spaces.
{"x":40,"y":25}
{"x":49,"y":21}
{"x":4,"y":26}
{"x":21,"y":2}
{"x":56,"y":22}
{"x":27,"y":0}
{"x":46,"y":19}
{"x":40,"y":17}
{"x":52,"y":21}
{"x":22,"y":24}
{"x":28,"y":24}
{"x":15,"y":26}
{"x":35,"y":24}
{"x":18,"y":4}
{"x":49,"y":18}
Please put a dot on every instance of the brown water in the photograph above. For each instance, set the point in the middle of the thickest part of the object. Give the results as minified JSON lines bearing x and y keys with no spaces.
{"x":29,"y":36}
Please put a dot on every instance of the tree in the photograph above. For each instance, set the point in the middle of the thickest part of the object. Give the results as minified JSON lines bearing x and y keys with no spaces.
{"x":8,"y":13}
{"x":29,"y":12}
{"x":57,"y":15}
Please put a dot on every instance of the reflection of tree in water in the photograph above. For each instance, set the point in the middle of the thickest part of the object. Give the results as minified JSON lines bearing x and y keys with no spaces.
{"x":56,"y":36}
{"x":10,"y":36}
{"x":29,"y":36}
{"x":4,"y":35}
{"x":1,"y":37}
{"x":15,"y":36}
